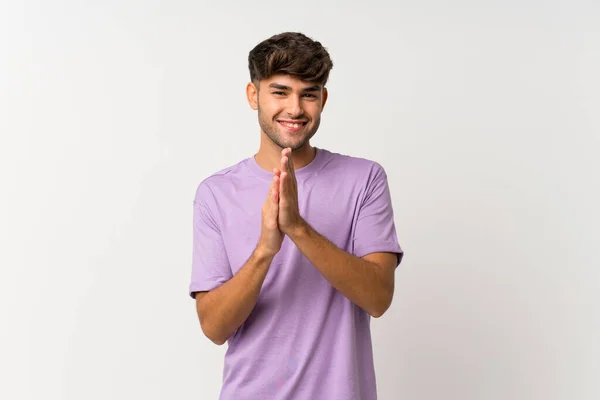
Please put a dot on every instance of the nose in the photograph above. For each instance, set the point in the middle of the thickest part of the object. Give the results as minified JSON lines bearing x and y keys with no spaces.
{"x":294,"y":107}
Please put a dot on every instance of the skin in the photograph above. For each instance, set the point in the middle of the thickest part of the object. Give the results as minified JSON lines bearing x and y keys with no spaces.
{"x":283,"y":97}
{"x":367,"y":281}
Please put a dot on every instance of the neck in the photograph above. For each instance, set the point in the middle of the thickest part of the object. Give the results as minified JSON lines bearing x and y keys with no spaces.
{"x":269,"y":155}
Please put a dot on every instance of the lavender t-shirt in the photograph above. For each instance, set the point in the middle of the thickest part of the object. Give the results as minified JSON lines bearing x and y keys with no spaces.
{"x":304,"y":339}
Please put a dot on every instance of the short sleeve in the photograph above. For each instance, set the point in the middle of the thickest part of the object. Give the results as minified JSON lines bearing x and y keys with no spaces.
{"x":375,"y":229}
{"x":210,"y":266}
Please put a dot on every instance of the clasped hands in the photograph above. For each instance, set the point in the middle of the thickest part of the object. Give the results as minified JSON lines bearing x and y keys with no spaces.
{"x":289,"y":219}
{"x":280,"y":213}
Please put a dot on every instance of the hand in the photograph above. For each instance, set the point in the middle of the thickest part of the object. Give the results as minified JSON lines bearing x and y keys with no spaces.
{"x":271,"y":237}
{"x":289,"y":212}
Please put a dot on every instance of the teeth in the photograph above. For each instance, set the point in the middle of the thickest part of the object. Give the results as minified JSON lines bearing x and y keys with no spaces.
{"x":291,"y":125}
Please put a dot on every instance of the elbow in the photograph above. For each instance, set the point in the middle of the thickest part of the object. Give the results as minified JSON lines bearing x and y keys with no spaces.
{"x":213,"y":336}
{"x":376,"y":313}
{"x":379,"y":309}
{"x":210,"y":329}
{"x":218,"y":342}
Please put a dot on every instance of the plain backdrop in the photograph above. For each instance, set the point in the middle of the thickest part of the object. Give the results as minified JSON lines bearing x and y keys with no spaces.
{"x":485,"y":116}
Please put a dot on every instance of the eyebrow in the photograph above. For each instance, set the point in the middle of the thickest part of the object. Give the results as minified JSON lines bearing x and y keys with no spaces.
{"x":314,"y":88}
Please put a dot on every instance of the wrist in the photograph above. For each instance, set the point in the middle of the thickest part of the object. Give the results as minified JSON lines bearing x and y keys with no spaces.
{"x":262,"y":254}
{"x":299,"y":231}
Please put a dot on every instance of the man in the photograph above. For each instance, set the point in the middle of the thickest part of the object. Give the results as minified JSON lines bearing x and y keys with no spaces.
{"x":295,"y":248}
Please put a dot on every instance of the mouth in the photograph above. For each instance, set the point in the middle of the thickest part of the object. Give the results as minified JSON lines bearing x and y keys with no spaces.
{"x":292,"y":126}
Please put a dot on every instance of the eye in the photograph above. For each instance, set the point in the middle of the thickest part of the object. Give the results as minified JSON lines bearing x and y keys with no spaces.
{"x":310,"y":95}
{"x":279,"y":93}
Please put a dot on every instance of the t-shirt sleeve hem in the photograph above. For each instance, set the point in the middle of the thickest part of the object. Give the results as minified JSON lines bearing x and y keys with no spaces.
{"x":202,"y":287}
{"x":376,"y":247}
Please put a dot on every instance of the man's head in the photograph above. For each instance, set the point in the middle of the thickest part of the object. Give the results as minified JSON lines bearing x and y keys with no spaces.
{"x":288,"y":73}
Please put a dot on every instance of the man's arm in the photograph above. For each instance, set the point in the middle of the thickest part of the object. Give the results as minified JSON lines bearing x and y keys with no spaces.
{"x":224,"y":309}
{"x":366,"y":281}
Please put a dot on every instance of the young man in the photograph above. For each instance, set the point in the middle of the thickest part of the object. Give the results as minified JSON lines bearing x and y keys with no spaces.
{"x":295,"y":248}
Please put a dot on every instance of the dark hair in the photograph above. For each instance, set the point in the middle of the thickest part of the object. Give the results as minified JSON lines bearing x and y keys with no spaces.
{"x":290,"y":53}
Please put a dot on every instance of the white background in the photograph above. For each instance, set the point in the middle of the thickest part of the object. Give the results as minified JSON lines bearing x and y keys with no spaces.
{"x":485,"y":116}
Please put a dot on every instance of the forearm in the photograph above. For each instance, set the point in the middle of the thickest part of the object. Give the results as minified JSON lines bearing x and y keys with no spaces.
{"x":361,"y":281}
{"x":224,"y":309}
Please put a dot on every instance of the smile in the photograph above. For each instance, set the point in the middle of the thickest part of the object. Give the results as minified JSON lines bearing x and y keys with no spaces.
{"x":292,"y":125}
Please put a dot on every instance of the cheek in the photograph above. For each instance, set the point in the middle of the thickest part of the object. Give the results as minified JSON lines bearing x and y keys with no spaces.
{"x":314,"y":115}
{"x":313,"y":109}
{"x":269,"y":111}
{"x":264,"y":111}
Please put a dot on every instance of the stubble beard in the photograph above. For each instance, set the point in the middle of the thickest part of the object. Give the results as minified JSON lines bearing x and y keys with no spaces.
{"x":271,"y":129}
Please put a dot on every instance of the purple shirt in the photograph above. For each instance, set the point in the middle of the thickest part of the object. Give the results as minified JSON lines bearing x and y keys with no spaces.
{"x":304,"y":339}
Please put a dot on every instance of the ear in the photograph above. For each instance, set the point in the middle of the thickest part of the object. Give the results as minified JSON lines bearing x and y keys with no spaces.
{"x":325,"y":94}
{"x":252,"y":95}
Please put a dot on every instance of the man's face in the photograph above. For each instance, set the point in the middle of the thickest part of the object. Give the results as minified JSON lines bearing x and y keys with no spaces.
{"x":289,"y":110}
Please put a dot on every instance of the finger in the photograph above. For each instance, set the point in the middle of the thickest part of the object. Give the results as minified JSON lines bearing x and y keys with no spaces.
{"x":290,"y":163}
{"x":291,"y":174}
{"x":283,"y":184}
{"x":276,"y":188}
{"x":291,"y":167}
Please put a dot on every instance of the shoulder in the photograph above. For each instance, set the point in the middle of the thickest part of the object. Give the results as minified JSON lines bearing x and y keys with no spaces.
{"x":358,"y":167}
{"x":212,"y":187}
